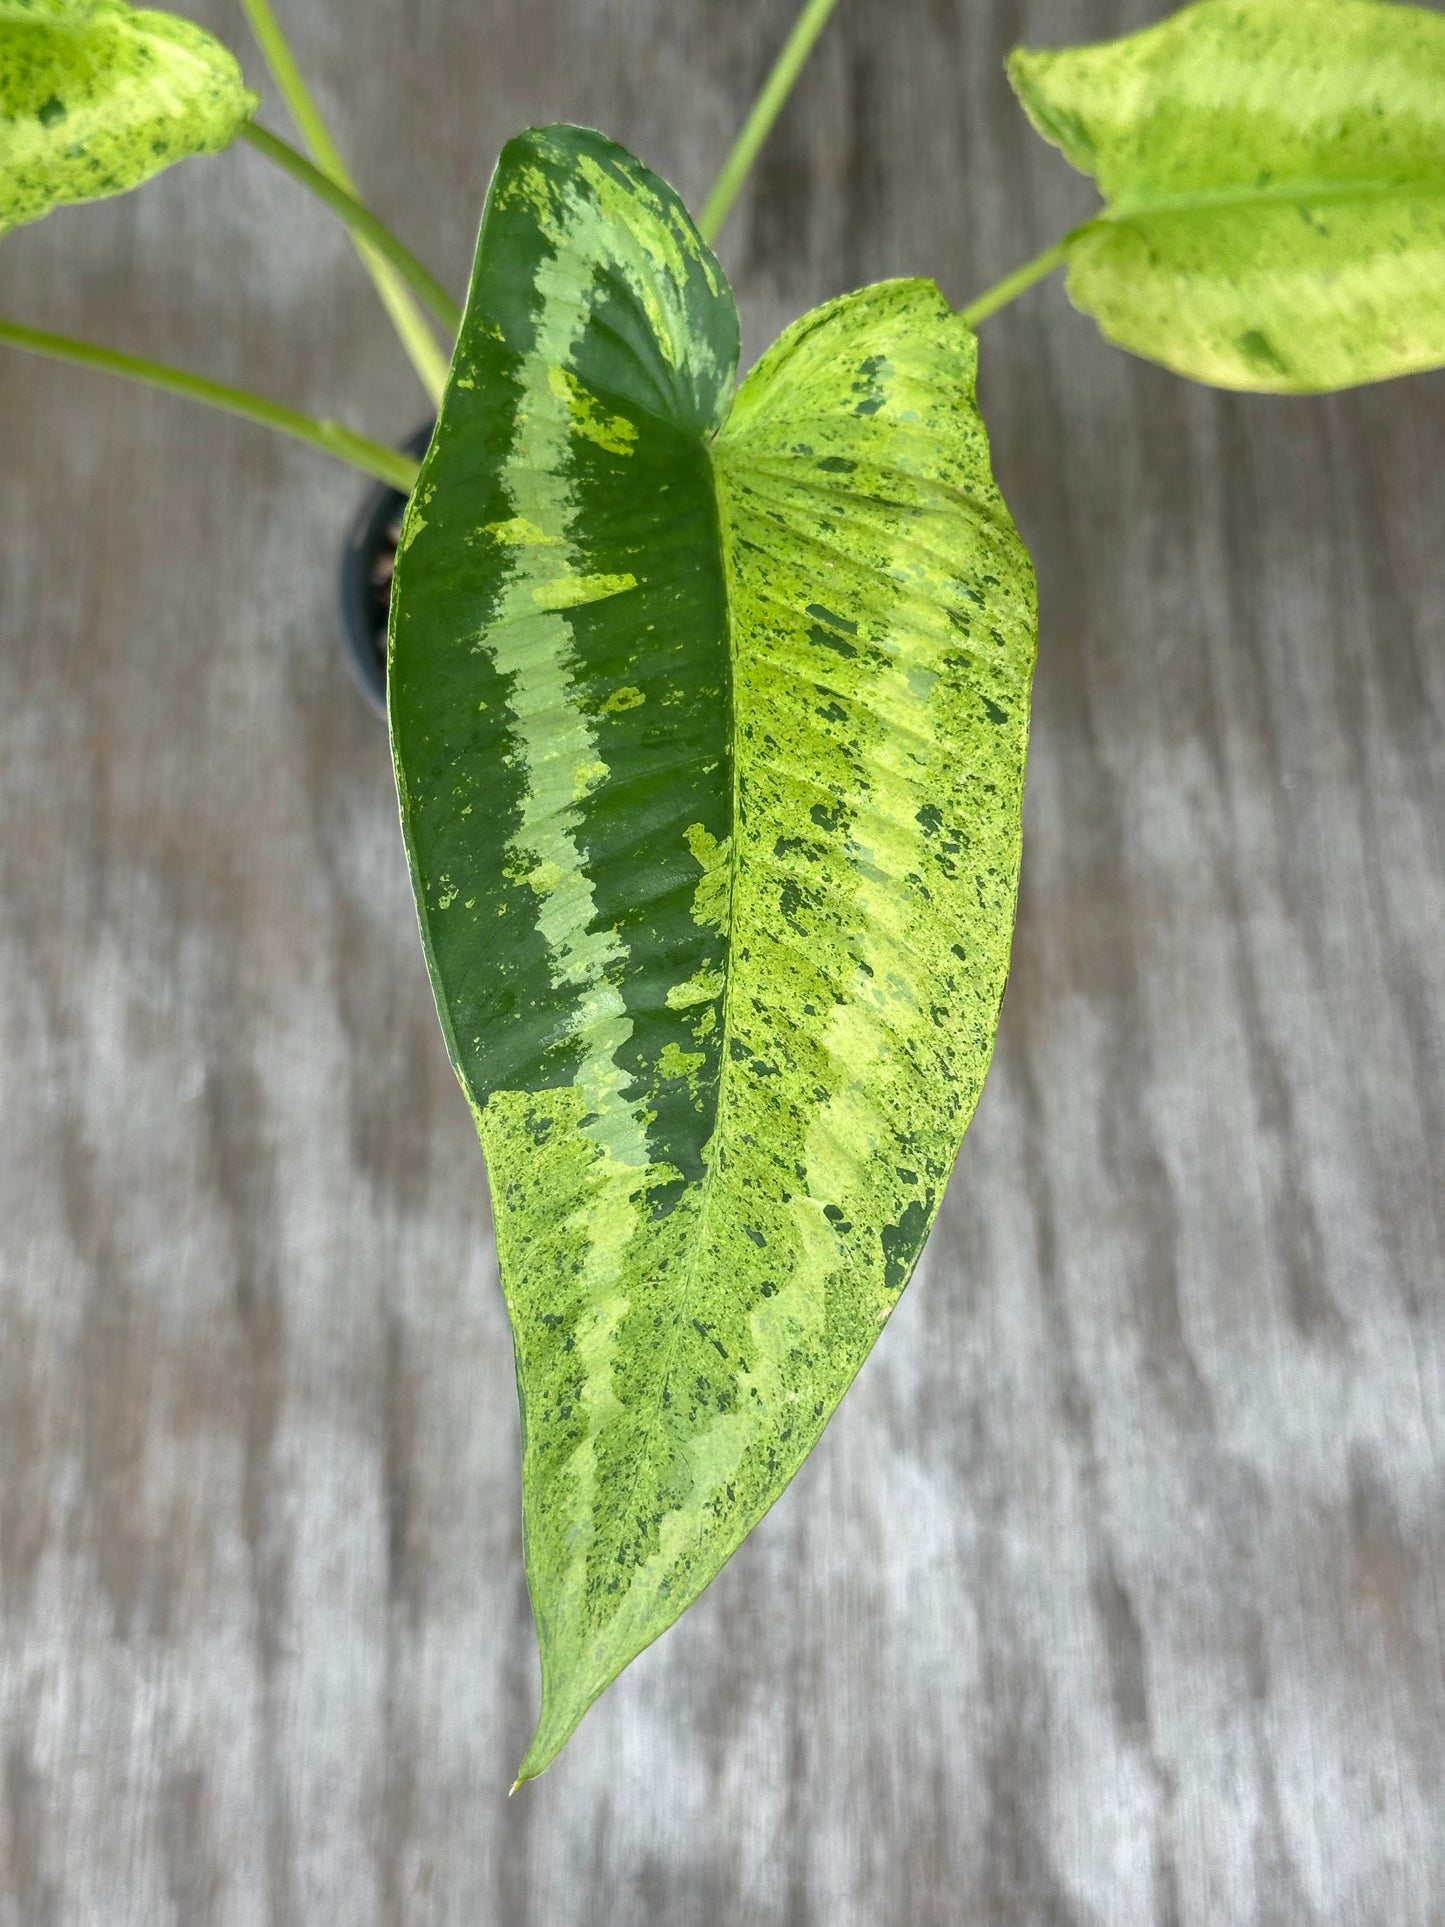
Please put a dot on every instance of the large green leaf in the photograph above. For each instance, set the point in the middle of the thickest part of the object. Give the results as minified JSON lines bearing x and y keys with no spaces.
{"x":709,"y":717}
{"x":96,"y":97}
{"x":1275,"y":173}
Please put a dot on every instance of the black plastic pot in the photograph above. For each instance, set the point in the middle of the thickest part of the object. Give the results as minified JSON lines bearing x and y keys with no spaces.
{"x":365,"y":584}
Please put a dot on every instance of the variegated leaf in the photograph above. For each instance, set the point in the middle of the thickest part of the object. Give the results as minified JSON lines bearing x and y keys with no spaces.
{"x":709,"y":715}
{"x":1275,"y":179}
{"x":95,"y":97}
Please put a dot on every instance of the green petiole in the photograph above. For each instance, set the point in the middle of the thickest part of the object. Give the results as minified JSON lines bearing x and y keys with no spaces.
{"x":372,"y":458}
{"x":759,"y":124}
{"x":362,"y":222}
{"x":408,"y":320}
{"x":1016,"y":283}
{"x":766,"y":108}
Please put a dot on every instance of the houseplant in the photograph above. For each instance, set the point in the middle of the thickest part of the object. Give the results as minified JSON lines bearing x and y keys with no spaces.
{"x":837,"y":685}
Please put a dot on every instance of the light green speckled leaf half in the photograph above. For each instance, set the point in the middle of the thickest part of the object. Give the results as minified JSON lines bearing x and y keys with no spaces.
{"x":1275,"y":174}
{"x":96,"y":97}
{"x":709,"y":717}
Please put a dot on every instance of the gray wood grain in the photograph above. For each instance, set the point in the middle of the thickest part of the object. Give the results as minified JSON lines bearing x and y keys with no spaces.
{"x":1114,"y":1594}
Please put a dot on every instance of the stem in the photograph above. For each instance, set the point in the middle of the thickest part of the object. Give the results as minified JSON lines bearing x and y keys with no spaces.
{"x":766,"y":108}
{"x":1014,"y":284}
{"x":406,"y":317}
{"x":362,"y":222}
{"x":386,"y":464}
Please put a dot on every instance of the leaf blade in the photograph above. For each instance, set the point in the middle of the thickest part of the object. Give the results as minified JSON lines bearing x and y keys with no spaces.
{"x":96,"y":97}
{"x":1275,"y":173}
{"x":689,"y":1294}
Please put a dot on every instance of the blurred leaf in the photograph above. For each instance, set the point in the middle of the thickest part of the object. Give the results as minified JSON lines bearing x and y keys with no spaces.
{"x":96,"y":97}
{"x":1275,"y":179}
{"x":709,"y":716}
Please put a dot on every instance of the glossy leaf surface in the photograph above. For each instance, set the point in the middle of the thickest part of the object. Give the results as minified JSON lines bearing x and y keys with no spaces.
{"x":95,"y":97}
{"x":1275,"y":174}
{"x":709,"y":715}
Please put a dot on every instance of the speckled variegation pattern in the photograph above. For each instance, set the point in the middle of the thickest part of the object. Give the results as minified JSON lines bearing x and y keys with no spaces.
{"x":96,"y":97}
{"x":1275,"y":173}
{"x":709,"y":718}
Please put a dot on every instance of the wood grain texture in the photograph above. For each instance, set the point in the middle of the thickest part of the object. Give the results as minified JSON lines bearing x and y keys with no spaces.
{"x":1114,"y":1594}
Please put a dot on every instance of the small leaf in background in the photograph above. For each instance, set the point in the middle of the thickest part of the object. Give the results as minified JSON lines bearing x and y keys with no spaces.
{"x":709,"y":716}
{"x":1275,"y":179}
{"x":96,"y":97}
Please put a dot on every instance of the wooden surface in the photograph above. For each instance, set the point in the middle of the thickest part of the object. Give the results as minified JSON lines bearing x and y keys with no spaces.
{"x":1114,"y":1594}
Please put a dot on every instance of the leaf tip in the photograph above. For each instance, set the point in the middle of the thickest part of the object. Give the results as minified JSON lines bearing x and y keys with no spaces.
{"x":1028,"y":74}
{"x":1020,"y":66}
{"x":563,"y":1705}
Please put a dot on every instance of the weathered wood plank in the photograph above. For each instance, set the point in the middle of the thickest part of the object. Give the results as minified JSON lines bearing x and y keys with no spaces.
{"x":1114,"y":1595}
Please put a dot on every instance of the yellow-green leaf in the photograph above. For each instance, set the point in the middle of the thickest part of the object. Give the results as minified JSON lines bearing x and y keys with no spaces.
{"x":1275,"y":178}
{"x":95,"y":97}
{"x":709,"y":714}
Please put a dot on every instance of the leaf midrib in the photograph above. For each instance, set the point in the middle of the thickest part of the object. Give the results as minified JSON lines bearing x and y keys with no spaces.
{"x":1210,"y":200}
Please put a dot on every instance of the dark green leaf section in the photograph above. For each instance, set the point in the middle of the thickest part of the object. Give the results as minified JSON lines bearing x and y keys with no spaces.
{"x":1275,"y":179}
{"x":564,"y":757}
{"x":709,"y":718}
{"x":95,"y":97}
